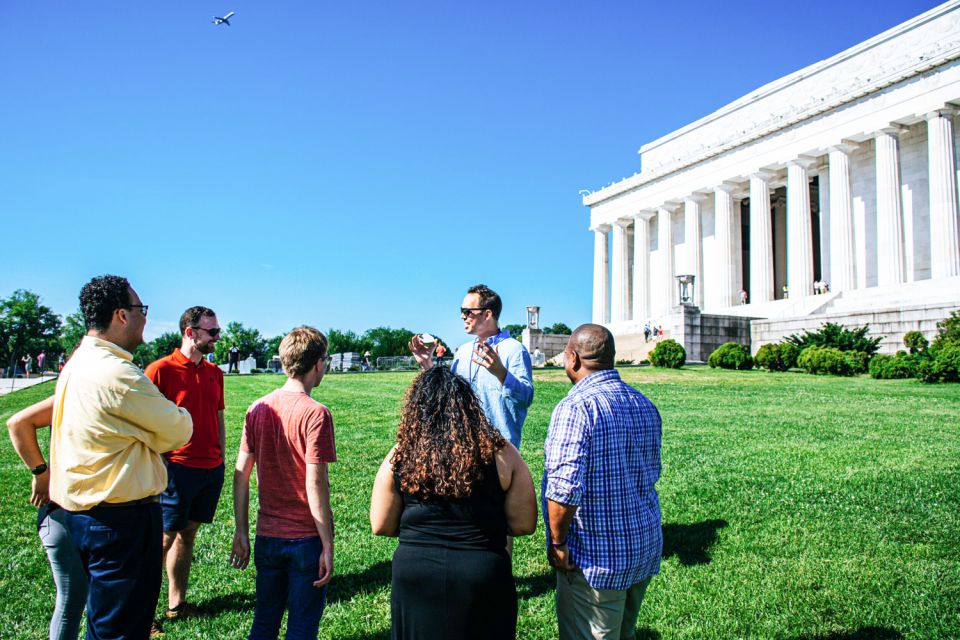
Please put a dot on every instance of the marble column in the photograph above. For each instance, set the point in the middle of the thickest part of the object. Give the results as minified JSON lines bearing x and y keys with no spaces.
{"x":723,"y":251}
{"x":890,"y":250}
{"x":641,"y":267}
{"x":665,"y":251}
{"x":692,"y":233}
{"x":620,"y":274}
{"x":799,"y":230}
{"x":843,"y":255}
{"x":601,"y":275}
{"x":944,"y":240}
{"x":761,"y":239}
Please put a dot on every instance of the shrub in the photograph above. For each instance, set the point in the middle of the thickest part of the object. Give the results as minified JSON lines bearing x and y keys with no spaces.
{"x":858,"y":360}
{"x":902,"y":365}
{"x":669,"y":353}
{"x":944,"y":366}
{"x":839,"y":337}
{"x":915,"y":342}
{"x":948,"y":331}
{"x":731,"y":355}
{"x":777,"y":357}
{"x":817,"y":360}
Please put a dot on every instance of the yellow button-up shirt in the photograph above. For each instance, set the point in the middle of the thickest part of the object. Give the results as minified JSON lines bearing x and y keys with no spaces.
{"x":110,"y":425}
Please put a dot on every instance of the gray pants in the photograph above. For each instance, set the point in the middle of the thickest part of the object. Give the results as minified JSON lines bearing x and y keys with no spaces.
{"x":68,"y":575}
{"x":585,"y":613}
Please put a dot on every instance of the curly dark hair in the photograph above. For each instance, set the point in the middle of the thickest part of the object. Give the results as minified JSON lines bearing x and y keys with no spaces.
{"x":100,"y":297}
{"x":444,"y":440}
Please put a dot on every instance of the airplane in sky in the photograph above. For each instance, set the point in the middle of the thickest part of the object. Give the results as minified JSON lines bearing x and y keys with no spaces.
{"x":224,"y":20}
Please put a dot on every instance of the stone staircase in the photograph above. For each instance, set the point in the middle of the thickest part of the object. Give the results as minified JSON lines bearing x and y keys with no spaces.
{"x":633,"y":347}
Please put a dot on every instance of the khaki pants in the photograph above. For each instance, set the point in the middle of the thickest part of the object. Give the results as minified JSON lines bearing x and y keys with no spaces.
{"x":585,"y":613}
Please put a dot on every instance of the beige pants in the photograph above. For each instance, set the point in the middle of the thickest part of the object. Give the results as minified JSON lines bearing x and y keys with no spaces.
{"x":585,"y":613}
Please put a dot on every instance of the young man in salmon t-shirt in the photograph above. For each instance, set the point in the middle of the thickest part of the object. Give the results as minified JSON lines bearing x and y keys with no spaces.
{"x":289,"y":436}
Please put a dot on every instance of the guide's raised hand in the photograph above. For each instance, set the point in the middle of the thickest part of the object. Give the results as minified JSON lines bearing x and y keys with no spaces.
{"x":488,"y":358}
{"x":422,"y":351}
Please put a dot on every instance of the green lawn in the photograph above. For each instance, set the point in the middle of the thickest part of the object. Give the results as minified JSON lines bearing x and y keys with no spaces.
{"x":793,"y":506}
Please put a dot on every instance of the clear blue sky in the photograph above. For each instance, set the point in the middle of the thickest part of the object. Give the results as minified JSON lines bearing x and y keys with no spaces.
{"x":355,"y":164}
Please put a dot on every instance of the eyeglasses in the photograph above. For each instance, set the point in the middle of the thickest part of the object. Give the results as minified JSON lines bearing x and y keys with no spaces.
{"x":466,"y":311}
{"x":143,"y":308}
{"x":213,"y":332}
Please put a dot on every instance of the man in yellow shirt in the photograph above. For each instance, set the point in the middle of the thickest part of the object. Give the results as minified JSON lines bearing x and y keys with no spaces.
{"x":109,"y":426}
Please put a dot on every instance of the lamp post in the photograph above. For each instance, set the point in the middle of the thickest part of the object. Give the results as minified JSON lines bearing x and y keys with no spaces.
{"x":685,"y":286}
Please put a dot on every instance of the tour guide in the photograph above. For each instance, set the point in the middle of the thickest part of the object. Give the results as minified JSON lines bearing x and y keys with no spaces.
{"x":110,"y":425}
{"x":497,"y":367}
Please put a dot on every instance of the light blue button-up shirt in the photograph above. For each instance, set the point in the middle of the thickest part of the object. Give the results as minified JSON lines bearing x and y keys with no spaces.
{"x":504,"y":404}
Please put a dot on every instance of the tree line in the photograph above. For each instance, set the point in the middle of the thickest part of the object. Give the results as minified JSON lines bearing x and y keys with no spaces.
{"x":27,"y":326}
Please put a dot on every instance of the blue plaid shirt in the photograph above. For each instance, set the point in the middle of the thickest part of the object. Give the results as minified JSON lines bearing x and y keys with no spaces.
{"x":602,"y":454}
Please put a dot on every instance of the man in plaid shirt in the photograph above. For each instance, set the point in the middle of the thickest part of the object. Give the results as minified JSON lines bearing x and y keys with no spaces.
{"x":602,"y":460}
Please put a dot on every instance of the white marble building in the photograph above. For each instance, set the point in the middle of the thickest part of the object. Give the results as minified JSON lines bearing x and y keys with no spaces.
{"x":843,"y":172}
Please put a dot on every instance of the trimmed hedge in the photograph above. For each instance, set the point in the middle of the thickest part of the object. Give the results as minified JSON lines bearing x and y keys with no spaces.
{"x":669,"y":354}
{"x":902,"y":365}
{"x":731,"y":355}
{"x":944,"y":366}
{"x":826,"y":360}
{"x":915,"y":342}
{"x":777,"y":357}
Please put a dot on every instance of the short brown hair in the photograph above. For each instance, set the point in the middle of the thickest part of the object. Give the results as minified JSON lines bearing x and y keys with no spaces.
{"x":489,"y":299}
{"x":301,"y":349}
{"x":191,"y":317}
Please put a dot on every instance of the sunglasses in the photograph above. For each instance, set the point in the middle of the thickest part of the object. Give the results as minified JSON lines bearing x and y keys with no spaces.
{"x":213,"y":332}
{"x":466,"y":311}
{"x":143,"y":308}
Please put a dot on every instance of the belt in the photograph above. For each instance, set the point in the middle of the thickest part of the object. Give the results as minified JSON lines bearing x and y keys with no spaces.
{"x":131,"y":503}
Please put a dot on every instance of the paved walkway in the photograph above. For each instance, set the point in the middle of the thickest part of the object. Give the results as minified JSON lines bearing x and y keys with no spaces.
{"x":15,"y":384}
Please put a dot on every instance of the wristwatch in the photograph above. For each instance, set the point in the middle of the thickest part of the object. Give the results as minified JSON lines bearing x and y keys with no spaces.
{"x":40,"y":468}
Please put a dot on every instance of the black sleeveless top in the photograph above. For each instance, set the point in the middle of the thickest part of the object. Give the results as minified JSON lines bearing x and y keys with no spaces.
{"x":475,"y":522}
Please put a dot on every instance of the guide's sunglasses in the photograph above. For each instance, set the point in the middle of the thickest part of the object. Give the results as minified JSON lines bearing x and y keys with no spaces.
{"x":213,"y":332}
{"x":466,"y":311}
{"x":143,"y":308}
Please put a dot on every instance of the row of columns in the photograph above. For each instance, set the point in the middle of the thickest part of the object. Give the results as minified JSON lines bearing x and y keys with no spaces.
{"x":944,"y":236}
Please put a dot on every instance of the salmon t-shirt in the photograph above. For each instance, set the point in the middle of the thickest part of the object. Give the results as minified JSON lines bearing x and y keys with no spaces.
{"x":285,"y":431}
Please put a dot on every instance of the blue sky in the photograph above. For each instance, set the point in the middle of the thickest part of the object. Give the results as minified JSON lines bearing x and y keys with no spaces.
{"x":357,"y":164}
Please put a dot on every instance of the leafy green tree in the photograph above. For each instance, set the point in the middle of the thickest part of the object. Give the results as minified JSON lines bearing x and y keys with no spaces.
{"x":515,"y":330}
{"x":559,"y":328}
{"x":345,"y":342}
{"x":948,"y":331}
{"x":273,"y":346}
{"x":836,"y":336}
{"x":248,"y":340}
{"x":72,"y":333}
{"x":26,"y":326}
{"x":385,"y":341}
{"x":162,"y":345}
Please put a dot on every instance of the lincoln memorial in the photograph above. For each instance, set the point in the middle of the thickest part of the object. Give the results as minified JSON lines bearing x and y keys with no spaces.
{"x":829,"y":194}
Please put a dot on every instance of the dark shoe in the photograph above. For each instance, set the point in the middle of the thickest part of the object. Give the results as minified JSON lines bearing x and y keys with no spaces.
{"x":182,"y":610}
{"x":156,"y":629}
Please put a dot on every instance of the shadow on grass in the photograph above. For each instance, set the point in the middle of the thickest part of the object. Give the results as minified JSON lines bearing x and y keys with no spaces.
{"x":345,"y":587}
{"x":227,"y":602}
{"x":647,"y":634}
{"x":863,"y":633}
{"x":535,"y":586}
{"x":691,"y":542}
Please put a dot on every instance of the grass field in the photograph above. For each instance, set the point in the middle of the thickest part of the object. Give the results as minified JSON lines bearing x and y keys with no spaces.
{"x":794,"y":507}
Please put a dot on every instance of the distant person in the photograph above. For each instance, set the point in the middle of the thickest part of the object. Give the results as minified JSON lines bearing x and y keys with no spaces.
{"x":743,"y":296}
{"x":452,"y":489}
{"x":27,"y":361}
{"x":233,"y":359}
{"x":786,"y":292}
{"x":646,"y":332}
{"x":289,"y":437}
{"x":497,"y":366}
{"x":600,"y":504}
{"x":110,"y":424}
{"x":365,"y":363}
{"x":65,"y":562}
{"x":441,"y":352}
{"x":41,"y":362}
{"x":195,"y":470}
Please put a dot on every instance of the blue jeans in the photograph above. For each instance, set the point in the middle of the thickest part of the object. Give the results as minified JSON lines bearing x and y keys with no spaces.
{"x":122,"y":553}
{"x":286,"y":569}
{"x":68,"y":575}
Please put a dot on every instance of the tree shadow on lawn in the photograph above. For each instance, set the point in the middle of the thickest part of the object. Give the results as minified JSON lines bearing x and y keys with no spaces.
{"x":345,"y":587}
{"x":863,"y":633}
{"x":691,"y":542}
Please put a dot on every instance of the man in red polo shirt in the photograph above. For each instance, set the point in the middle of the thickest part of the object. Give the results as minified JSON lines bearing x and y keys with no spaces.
{"x":195,"y":471}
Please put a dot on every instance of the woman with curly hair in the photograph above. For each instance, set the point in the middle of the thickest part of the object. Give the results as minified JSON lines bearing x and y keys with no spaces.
{"x":452,"y":489}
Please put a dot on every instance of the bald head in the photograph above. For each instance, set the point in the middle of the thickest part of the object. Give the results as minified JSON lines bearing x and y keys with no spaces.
{"x":594,"y":344}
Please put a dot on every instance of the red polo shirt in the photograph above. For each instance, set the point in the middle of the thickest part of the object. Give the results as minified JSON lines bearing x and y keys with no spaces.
{"x":199,"y":389}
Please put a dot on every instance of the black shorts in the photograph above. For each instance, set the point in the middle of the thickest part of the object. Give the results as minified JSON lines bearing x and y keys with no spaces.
{"x":191,"y":495}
